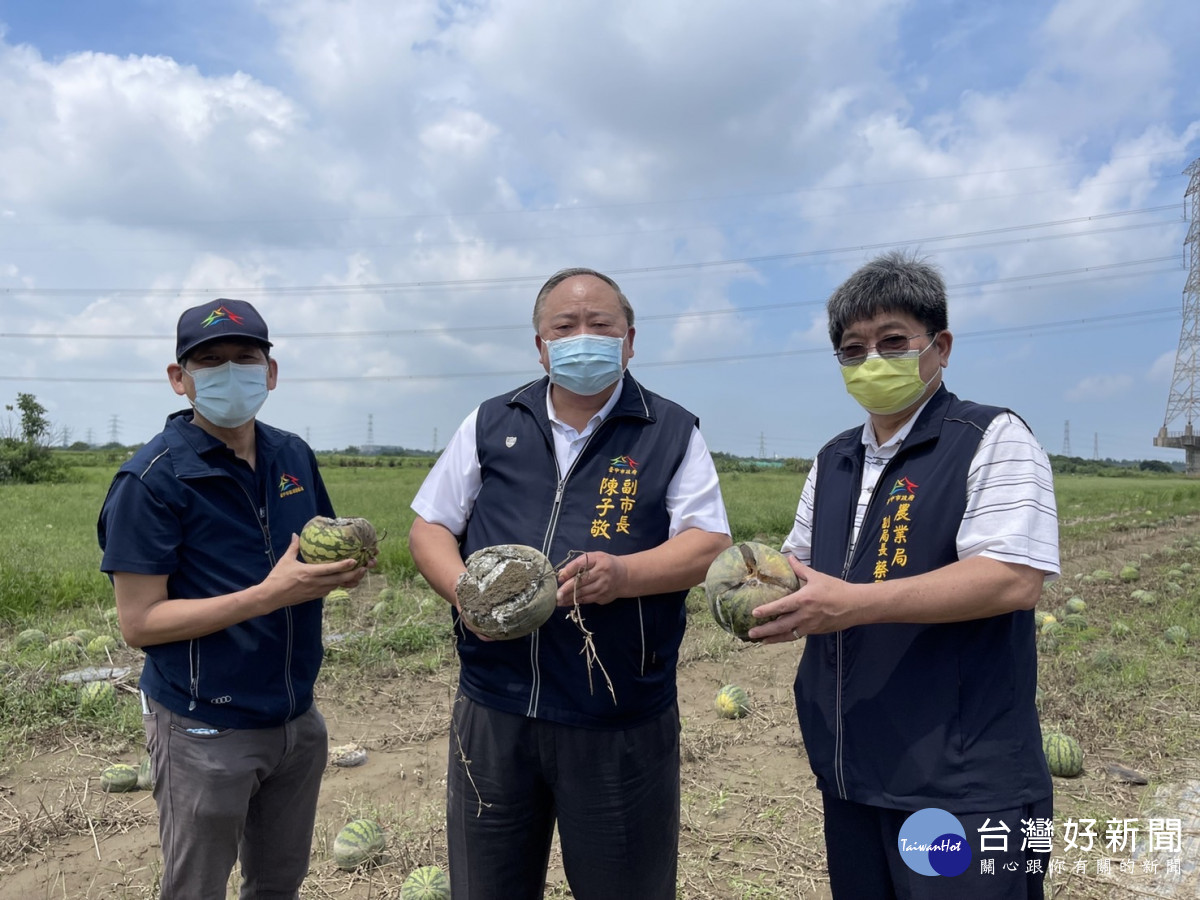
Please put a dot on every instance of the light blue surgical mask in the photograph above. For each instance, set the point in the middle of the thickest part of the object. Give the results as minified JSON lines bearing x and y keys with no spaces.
{"x":229,"y":395}
{"x":586,"y":364}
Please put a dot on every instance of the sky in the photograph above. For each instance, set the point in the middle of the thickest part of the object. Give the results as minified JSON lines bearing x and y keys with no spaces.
{"x":390,"y":183}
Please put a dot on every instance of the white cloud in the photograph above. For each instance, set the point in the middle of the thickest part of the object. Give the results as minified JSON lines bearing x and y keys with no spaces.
{"x":1099,"y":388}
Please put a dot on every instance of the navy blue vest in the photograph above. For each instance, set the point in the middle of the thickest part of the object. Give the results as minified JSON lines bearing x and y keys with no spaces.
{"x":613,"y":500}
{"x":909,"y":716}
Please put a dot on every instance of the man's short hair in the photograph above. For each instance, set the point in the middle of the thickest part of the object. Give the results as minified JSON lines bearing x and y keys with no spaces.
{"x":562,"y":275}
{"x":896,"y":282}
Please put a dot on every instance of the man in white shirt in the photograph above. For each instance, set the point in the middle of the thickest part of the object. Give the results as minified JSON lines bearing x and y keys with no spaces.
{"x":923,"y":539}
{"x":615,"y":485}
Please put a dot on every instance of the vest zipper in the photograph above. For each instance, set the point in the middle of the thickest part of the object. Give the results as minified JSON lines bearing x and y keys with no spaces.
{"x":547,"y":540}
{"x":838,"y":769}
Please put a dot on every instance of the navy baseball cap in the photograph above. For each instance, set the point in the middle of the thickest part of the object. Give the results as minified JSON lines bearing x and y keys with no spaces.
{"x":218,"y":320}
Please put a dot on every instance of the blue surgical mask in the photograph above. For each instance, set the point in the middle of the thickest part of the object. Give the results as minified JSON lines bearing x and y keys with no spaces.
{"x":586,"y":364}
{"x":229,"y":395}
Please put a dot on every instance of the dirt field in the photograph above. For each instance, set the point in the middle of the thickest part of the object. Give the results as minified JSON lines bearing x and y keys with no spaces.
{"x":751,"y":821}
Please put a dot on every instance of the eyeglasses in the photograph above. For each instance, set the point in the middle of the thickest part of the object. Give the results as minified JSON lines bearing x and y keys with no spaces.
{"x":891,"y":345}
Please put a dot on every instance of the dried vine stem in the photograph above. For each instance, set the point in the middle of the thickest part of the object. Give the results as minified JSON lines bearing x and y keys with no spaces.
{"x":589,"y":645}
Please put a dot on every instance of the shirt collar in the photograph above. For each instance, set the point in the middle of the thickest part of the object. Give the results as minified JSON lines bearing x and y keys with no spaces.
{"x":594,"y":420}
{"x":868,"y":432}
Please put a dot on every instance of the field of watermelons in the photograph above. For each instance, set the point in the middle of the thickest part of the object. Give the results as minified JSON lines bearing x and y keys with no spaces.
{"x":1119,"y":676}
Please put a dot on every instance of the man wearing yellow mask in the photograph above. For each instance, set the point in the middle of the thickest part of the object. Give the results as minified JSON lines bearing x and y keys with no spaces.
{"x":923,"y":538}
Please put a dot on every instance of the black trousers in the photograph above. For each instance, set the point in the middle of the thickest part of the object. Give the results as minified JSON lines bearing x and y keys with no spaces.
{"x":613,"y":794}
{"x":862,"y":844}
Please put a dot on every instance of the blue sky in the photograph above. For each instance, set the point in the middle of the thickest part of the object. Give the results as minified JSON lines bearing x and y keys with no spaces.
{"x":390,"y":183}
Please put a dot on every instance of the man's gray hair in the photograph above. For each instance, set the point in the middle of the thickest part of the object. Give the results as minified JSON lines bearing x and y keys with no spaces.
{"x":562,"y":275}
{"x":896,"y":282}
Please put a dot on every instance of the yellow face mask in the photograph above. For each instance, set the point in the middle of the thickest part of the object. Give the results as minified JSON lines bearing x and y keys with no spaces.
{"x":884,"y":385}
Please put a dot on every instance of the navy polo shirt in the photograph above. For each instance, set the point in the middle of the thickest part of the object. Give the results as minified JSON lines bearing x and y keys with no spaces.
{"x":185,"y":507}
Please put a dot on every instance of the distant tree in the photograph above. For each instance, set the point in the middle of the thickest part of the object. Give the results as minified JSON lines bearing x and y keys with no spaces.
{"x":1155,"y":465}
{"x":25,"y":456}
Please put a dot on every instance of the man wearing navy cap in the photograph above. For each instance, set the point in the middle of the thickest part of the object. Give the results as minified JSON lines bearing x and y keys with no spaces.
{"x":199,"y":533}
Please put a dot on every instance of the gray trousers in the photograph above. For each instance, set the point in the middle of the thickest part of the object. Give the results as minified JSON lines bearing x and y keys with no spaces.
{"x":230,"y":793}
{"x":613,"y":794}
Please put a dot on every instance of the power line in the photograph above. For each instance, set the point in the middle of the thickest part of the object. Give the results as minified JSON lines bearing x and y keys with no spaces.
{"x":388,"y":287}
{"x":1071,"y":325}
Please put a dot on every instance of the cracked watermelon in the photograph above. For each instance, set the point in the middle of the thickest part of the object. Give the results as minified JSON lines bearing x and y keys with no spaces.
{"x":743,"y":577}
{"x":325,"y":540}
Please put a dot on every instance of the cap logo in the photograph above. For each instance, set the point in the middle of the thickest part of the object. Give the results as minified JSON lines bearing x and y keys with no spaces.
{"x":221,"y":313}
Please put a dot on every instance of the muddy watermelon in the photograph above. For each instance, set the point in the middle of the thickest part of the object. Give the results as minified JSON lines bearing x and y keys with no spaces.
{"x":426,"y":883}
{"x":1063,"y":754}
{"x":508,"y":591}
{"x":357,"y":843}
{"x":743,"y":577}
{"x":325,"y":540}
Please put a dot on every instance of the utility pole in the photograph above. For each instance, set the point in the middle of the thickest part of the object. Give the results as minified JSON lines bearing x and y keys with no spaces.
{"x":114,"y":429}
{"x":1067,"y":438}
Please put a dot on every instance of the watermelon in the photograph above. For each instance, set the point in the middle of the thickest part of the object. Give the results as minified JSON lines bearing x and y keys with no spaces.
{"x":325,"y":540}
{"x":145,"y":781}
{"x":32,"y":637}
{"x":111,"y":616}
{"x":732,"y":702}
{"x":1120,"y":630}
{"x":101,"y":645}
{"x":64,"y":647}
{"x":1130,"y":573}
{"x":1075,"y":605}
{"x":508,"y":591}
{"x":337,"y":595}
{"x":743,"y":577}
{"x":97,"y":695}
{"x":1177,"y":635}
{"x":1106,"y":660}
{"x":357,"y":843}
{"x":1144,"y":597}
{"x":1063,"y":755}
{"x":426,"y":883}
{"x":1075,"y":621}
{"x":85,"y":635}
{"x":119,"y":778}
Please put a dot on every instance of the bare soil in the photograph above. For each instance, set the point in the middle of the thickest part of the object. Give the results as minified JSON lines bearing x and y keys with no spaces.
{"x":751,"y":824}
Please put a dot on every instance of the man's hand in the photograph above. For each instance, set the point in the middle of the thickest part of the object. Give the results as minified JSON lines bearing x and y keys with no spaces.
{"x":592,"y":578}
{"x":821,"y":605}
{"x":293,"y":581}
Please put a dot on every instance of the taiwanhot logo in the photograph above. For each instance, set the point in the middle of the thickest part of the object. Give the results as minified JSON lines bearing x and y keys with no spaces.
{"x":221,"y":314}
{"x":933,"y":842}
{"x":289,"y":484}
{"x":626,"y":463}
{"x":903,"y":486}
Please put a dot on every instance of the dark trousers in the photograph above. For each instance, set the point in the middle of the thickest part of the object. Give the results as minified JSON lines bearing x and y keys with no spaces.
{"x":862,"y":844}
{"x":614,"y":795}
{"x":230,"y":793}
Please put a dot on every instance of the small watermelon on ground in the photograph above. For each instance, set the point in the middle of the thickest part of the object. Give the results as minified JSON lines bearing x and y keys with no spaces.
{"x":1144,"y":597}
{"x":64,"y":647}
{"x":1102,"y":575}
{"x":1130,"y":573}
{"x":357,"y":843}
{"x":1075,"y":621}
{"x":1075,"y":605}
{"x":118,"y":778}
{"x":1063,"y":754}
{"x":101,"y":645}
{"x":732,"y":702}
{"x":1177,"y":635}
{"x":326,"y":540}
{"x":145,"y":781}
{"x":426,"y":883}
{"x":1106,"y":660}
{"x":85,"y":635}
{"x":1051,"y":626}
{"x":32,"y":637}
{"x":337,"y":595}
{"x":97,"y":695}
{"x":1120,"y":630}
